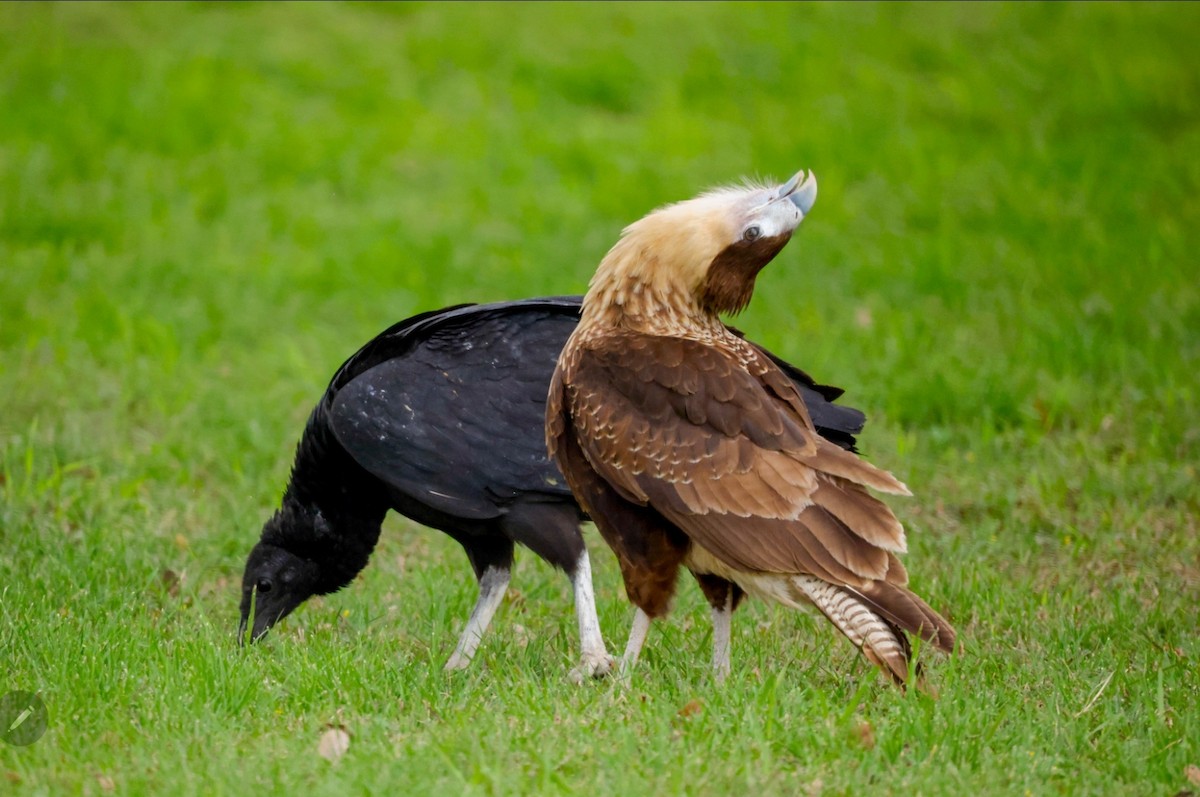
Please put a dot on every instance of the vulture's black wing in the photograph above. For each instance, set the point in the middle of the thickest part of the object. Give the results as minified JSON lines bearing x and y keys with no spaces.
{"x":448,"y":407}
{"x":837,"y":423}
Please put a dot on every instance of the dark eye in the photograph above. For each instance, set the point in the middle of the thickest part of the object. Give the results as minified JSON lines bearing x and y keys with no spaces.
{"x":264,"y":585}
{"x":751,"y":233}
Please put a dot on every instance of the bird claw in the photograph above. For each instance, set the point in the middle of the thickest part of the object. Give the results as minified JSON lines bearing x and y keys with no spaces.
{"x":592,"y":665}
{"x":456,"y":663}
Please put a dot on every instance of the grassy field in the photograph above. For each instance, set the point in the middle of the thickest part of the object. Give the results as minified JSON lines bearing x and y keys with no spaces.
{"x":205,"y":208}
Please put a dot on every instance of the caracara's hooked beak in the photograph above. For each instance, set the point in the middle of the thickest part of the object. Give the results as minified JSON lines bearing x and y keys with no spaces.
{"x":801,"y":190}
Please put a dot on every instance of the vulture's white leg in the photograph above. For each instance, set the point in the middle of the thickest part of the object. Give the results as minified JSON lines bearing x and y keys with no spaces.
{"x":594,"y":661}
{"x":492,"y":585}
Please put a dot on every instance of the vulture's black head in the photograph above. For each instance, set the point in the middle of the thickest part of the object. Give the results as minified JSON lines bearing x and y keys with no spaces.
{"x":290,"y":564}
{"x":276,"y":582}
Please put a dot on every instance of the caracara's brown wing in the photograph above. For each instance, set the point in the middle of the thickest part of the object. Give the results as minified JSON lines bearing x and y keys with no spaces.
{"x":717,"y":441}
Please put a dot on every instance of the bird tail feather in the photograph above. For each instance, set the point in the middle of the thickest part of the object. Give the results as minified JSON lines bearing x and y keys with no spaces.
{"x":875,"y":623}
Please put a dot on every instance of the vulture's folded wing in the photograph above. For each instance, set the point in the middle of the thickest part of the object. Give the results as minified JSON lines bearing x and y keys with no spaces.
{"x":453,"y":419}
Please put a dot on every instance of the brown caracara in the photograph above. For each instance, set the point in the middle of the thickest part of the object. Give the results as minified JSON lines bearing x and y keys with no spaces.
{"x":688,"y":446}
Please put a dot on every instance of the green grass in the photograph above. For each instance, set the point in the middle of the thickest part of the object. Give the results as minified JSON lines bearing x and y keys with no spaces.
{"x":205,"y":208}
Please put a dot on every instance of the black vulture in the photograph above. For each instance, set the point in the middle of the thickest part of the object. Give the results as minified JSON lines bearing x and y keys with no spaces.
{"x":441,"y":418}
{"x":690,"y":448}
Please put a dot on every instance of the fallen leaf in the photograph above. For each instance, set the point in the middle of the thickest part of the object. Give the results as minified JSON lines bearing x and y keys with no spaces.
{"x":106,"y":783}
{"x":693,"y":706}
{"x":13,"y":777}
{"x":170,"y":582}
{"x":866,"y":735}
{"x":1193,"y":774}
{"x":334,"y":744}
{"x":1043,"y":411}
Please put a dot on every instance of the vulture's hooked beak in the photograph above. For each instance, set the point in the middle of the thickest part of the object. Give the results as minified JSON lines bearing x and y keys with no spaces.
{"x":801,"y":190}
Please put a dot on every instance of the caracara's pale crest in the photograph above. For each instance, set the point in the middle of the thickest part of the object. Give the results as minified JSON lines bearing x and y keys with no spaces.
{"x":703,"y":252}
{"x":689,"y":447}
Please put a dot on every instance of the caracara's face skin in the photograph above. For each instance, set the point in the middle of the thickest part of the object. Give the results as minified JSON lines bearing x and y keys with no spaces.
{"x":763,"y":223}
{"x":707,"y":250}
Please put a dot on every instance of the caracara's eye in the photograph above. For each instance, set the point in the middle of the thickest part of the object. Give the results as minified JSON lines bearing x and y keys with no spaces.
{"x":264,"y":585}
{"x":751,"y":233}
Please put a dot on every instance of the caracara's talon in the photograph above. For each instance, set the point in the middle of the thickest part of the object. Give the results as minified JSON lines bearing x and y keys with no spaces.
{"x":457,"y":663}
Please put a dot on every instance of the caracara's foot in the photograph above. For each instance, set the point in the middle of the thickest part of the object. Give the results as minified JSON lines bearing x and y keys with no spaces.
{"x":592,"y":665}
{"x":457,"y":662}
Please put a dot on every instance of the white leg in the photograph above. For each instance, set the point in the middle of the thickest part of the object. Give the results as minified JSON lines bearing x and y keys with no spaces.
{"x":492,"y":585}
{"x":722,"y":625}
{"x":637,"y":637}
{"x":595,"y":661}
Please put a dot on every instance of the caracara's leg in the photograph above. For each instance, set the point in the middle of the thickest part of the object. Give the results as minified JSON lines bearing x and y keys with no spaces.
{"x":649,"y":571}
{"x":595,"y":661}
{"x":722,"y":622}
{"x":637,"y":638}
{"x":723,"y":596}
{"x":492,"y":585}
{"x":651,"y":591}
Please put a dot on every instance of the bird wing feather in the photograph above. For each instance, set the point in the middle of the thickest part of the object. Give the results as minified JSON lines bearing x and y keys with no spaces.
{"x":440,"y":406}
{"x":448,"y":420}
{"x":717,"y":439}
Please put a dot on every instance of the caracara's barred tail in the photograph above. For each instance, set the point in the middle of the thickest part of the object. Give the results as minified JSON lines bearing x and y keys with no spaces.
{"x":875,"y":621}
